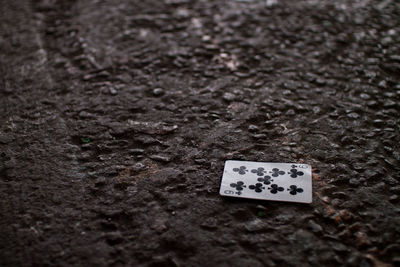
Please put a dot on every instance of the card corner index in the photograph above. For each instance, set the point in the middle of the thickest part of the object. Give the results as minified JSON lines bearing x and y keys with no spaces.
{"x":226,"y":192}
{"x":308,"y":166}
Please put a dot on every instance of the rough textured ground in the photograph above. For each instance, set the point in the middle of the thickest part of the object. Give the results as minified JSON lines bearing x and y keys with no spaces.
{"x":116,"y":118}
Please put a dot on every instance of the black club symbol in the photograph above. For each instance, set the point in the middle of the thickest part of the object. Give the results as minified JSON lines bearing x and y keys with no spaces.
{"x":260,"y":171}
{"x":275,"y":188}
{"x":239,"y":185}
{"x":294,"y":190}
{"x":241,"y":170}
{"x":266,"y":179}
{"x":294,"y":173}
{"x":276,"y":172}
{"x":257,"y":187}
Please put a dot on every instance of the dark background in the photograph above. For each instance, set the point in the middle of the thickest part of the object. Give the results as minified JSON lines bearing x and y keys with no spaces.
{"x":116,"y":118}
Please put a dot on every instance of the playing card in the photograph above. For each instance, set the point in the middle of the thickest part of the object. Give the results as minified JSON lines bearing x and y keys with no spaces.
{"x":268,"y":181}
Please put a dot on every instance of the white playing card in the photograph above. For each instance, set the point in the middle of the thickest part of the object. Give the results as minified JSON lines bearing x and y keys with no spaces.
{"x":268,"y":181}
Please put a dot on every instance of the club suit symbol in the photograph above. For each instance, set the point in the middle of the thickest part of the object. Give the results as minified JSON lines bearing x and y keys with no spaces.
{"x":241,"y":170}
{"x":258,"y":187}
{"x":275,"y":189}
{"x":266,"y":179}
{"x":239,"y":186}
{"x":259,"y":171}
{"x":294,"y":190}
{"x":294,"y":173}
{"x":276,"y":172}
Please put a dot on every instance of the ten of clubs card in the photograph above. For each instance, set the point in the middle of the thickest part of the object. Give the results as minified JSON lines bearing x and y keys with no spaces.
{"x":268,"y":181}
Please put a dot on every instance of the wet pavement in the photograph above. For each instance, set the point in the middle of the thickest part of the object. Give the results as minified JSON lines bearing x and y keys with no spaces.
{"x":116,"y":118}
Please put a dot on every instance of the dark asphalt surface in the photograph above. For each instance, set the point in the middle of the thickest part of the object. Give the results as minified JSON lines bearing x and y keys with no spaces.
{"x":116,"y":118}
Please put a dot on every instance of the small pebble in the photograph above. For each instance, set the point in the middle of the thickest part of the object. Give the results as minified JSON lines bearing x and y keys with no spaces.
{"x":261,"y":207}
{"x":290,"y":112}
{"x":336,"y":202}
{"x":354,"y":182}
{"x":139,"y":167}
{"x":389,"y":103}
{"x":158,"y":91}
{"x":255,"y":225}
{"x":260,"y":136}
{"x":364,"y":96}
{"x":100,"y":181}
{"x":228,"y":97}
{"x":354,"y":260}
{"x":210,"y":224}
{"x":5,"y":139}
{"x":353,"y":115}
{"x":382,"y":84}
{"x":160,"y":226}
{"x":161,"y":158}
{"x":362,"y":239}
{"x":394,"y":198}
{"x":253,"y":128}
{"x":395,"y":190}
{"x":316,"y":228}
{"x":113,"y":91}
